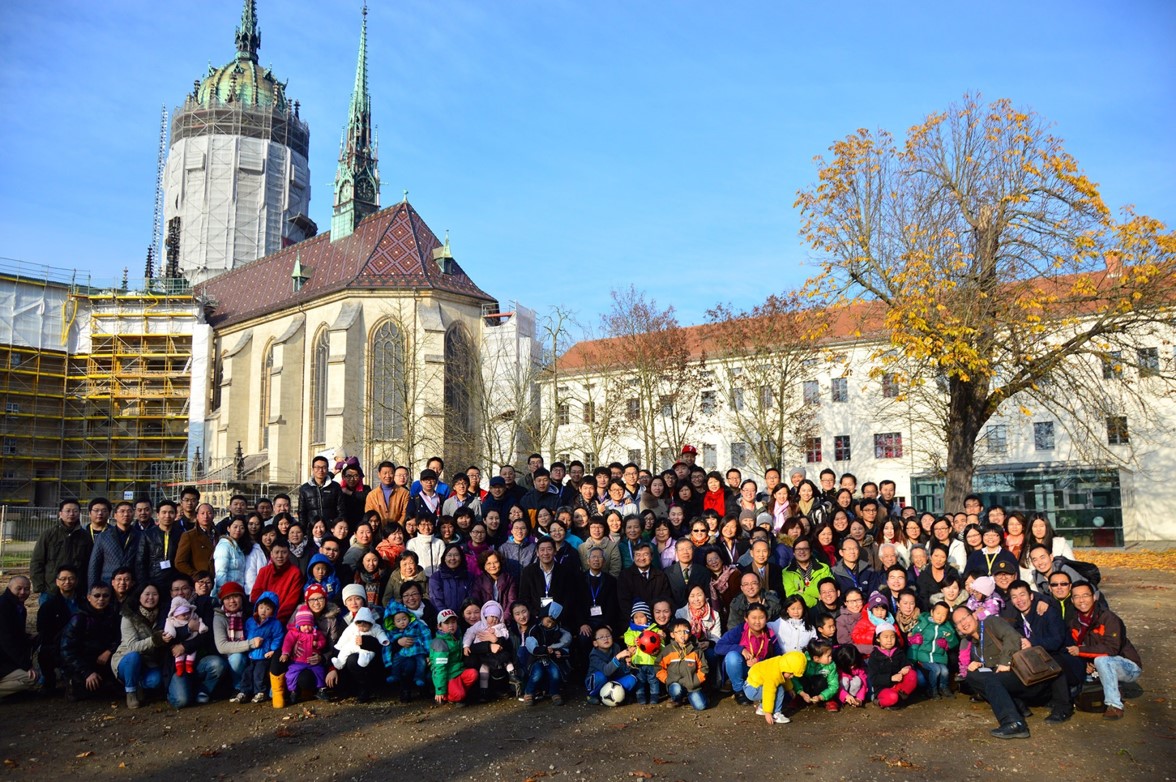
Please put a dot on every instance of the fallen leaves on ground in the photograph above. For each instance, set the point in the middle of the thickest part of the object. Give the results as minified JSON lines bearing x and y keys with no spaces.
{"x":85,"y":754}
{"x":894,"y":762}
{"x":1135,"y":560}
{"x":641,"y":774}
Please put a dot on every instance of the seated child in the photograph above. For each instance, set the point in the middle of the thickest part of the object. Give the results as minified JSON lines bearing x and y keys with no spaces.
{"x":183,"y":623}
{"x":982,"y":598}
{"x":351,"y":640}
{"x":851,"y":676}
{"x":451,"y":679}
{"x":406,"y":657}
{"x":819,"y":683}
{"x":682,"y":667}
{"x":648,"y":689}
{"x":303,"y":641}
{"x":933,"y":638}
{"x":769,"y":685}
{"x":487,"y":647}
{"x":608,"y":662}
{"x":264,"y":633}
{"x":892,"y":677}
{"x":548,"y":644}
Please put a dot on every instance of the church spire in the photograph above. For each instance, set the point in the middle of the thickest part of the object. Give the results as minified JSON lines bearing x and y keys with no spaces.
{"x":248,"y":34}
{"x":357,"y":179}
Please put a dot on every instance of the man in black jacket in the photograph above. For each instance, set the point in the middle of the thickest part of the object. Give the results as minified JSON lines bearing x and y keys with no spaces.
{"x":158,"y":546}
{"x":543,"y":581}
{"x":318,"y":498}
{"x":641,"y":581}
{"x":87,"y":644}
{"x":66,"y":543}
{"x":16,"y":645}
{"x":685,"y":574}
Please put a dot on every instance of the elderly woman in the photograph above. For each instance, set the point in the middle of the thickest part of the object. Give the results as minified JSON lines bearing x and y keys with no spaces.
{"x":409,"y":570}
{"x":494,"y":582}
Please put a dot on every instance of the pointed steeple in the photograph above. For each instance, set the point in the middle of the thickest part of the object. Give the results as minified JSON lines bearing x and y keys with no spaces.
{"x":357,"y":179}
{"x":248,"y":34}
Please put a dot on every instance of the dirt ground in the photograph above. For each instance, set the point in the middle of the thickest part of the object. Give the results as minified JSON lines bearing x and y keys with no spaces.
{"x":50,"y":739}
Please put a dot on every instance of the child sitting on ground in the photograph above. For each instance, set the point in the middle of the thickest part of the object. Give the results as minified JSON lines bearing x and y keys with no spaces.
{"x":264,"y":633}
{"x":608,"y":662}
{"x":933,"y":638}
{"x":851,"y":676}
{"x":487,"y":647}
{"x":648,"y":689}
{"x":183,"y":623}
{"x":682,"y":667}
{"x":406,"y":657}
{"x":303,"y":641}
{"x":548,"y":644}
{"x":892,"y":676}
{"x":819,"y":683}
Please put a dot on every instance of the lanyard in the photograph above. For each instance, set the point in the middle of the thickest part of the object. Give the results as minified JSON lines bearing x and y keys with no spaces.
{"x":596,"y":591}
{"x":990,"y":560}
{"x":547,"y":581}
{"x":166,"y":541}
{"x":982,"y":642}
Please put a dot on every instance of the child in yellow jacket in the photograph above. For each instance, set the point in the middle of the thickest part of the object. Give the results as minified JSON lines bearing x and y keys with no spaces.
{"x":770,"y":683}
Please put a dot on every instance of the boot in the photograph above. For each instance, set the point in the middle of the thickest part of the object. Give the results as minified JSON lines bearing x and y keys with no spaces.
{"x":278,"y":685}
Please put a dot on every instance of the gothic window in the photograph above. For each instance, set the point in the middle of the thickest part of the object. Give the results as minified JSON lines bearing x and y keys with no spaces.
{"x":388,"y":382}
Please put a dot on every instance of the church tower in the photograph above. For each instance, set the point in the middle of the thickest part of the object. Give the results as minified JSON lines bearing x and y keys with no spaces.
{"x":357,"y":180}
{"x":237,"y":181}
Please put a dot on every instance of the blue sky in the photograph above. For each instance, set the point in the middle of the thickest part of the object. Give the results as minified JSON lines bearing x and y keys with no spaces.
{"x":572,"y":147}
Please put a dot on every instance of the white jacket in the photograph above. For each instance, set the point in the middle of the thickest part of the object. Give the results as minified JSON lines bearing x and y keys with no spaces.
{"x":349,"y":641}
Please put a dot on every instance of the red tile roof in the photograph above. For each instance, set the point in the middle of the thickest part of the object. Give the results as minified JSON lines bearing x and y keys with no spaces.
{"x":392,"y":249}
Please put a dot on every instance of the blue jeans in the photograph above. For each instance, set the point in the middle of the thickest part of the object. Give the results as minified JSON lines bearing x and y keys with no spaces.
{"x":595,"y":681}
{"x":696,"y":697}
{"x":648,"y":689}
{"x":256,"y":678}
{"x":1111,"y":671}
{"x":182,"y":690}
{"x":408,"y":668}
{"x":544,"y":670}
{"x":735,"y":667}
{"x":756,"y":696}
{"x":935,"y":675}
{"x":135,"y":674}
{"x":238,"y":664}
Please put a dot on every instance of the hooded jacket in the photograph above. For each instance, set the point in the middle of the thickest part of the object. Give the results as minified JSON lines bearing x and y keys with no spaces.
{"x":445,"y":661}
{"x":925,"y":646}
{"x":270,"y":631}
{"x":330,"y":582}
{"x":770,"y":675}
{"x":795,"y":583}
{"x":416,"y":630}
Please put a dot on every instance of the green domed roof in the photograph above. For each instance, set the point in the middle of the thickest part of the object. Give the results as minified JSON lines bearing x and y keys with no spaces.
{"x":242,"y":81}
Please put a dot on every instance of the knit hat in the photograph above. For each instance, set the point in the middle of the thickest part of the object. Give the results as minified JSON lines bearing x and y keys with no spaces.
{"x":314,"y":589}
{"x":230,"y":588}
{"x":444,"y":616}
{"x":492,"y":608}
{"x":552,"y":609}
{"x":641,"y":607}
{"x":180,"y":606}
{"x":985,"y":585}
{"x":365,"y":615}
{"x":878,"y":599}
{"x":797,"y":471}
{"x":303,"y":617}
{"x":762,"y":519}
{"x":884,"y":627}
{"x":354,"y":590}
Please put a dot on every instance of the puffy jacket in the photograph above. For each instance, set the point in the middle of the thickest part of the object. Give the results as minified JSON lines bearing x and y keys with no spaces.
{"x":793,"y":633}
{"x":416,"y":629}
{"x":228,"y":562}
{"x":924,"y":640}
{"x":60,"y":546}
{"x":137,"y":635}
{"x":448,"y":588}
{"x":113,"y":549}
{"x":795,"y":583}
{"x":87,"y":635}
{"x":1107,"y":635}
{"x":445,"y":660}
{"x":884,"y":664}
{"x":270,"y":631}
{"x":770,"y":675}
{"x":286,"y":584}
{"x":826,"y":673}
{"x":684,"y":665}
{"x":315,"y":502}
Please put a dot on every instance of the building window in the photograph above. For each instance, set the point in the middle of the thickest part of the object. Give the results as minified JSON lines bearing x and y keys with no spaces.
{"x":318,"y":386}
{"x":462,"y":391}
{"x":812,"y":450}
{"x":739,"y":455}
{"x":997,"y":436}
{"x":840,"y":387}
{"x":1117,"y":430}
{"x":888,"y":445}
{"x":1043,"y":435}
{"x":633,"y":406}
{"x":737,"y":399}
{"x":388,"y":382}
{"x":841,"y":450}
{"x":589,"y":412}
{"x":563,"y":414}
{"x":589,"y":461}
{"x":667,"y":406}
{"x":668,"y":456}
{"x":1149,"y":362}
{"x":708,"y":402}
{"x":890,"y":385}
{"x":710,"y":457}
{"x":1112,"y":365}
{"x":635,"y":455}
{"x":812,"y":392}
{"x":267,"y":368}
{"x":765,"y":397}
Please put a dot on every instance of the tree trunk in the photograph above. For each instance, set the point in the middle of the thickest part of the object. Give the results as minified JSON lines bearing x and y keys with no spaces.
{"x":966,"y":414}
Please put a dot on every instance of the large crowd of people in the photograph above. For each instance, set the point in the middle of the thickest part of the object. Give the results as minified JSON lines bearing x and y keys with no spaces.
{"x":618,"y":584}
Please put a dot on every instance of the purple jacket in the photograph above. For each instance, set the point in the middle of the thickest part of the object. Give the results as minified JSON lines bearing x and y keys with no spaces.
{"x":483,"y":589}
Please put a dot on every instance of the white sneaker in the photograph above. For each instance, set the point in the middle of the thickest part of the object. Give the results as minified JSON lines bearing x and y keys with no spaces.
{"x":759,"y":711}
{"x":780,"y":719}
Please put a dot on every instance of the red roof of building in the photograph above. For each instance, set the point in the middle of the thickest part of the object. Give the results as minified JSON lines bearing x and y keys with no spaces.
{"x":392,"y":249}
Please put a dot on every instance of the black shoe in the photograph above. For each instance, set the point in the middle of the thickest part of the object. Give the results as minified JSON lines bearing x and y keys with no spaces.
{"x":406,"y":695}
{"x":364,"y":697}
{"x":323,"y":694}
{"x":1057,"y":718}
{"x":741,"y":699}
{"x":1016,"y":730}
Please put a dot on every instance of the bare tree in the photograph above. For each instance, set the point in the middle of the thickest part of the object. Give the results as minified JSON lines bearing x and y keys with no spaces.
{"x":402,"y":384}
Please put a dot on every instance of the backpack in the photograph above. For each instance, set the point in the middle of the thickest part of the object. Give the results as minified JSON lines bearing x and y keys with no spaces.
{"x":1088,"y":570}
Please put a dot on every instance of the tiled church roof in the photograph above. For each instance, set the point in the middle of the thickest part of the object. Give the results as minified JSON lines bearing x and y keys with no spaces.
{"x":392,"y":249}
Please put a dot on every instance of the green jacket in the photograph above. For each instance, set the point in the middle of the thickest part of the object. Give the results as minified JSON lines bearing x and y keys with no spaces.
{"x":445,"y":660}
{"x":928,"y":650}
{"x":794,"y":582}
{"x":826,"y":672}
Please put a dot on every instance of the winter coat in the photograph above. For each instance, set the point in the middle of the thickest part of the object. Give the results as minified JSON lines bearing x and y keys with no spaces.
{"x":882,"y":665}
{"x":606,"y":662}
{"x":329,"y":582}
{"x":862,"y":579}
{"x":684,"y":665}
{"x":59,"y":546}
{"x":396,"y":581}
{"x":195,"y":554}
{"x":270,"y":631}
{"x":737,"y":639}
{"x":430,"y":550}
{"x":449,"y":587}
{"x":846,"y":621}
{"x":228,"y":562}
{"x":416,"y":629}
{"x":517,"y":555}
{"x":113,"y":549}
{"x":613,"y":561}
{"x":302,"y":646}
{"x":483,"y":588}
{"x":769,"y":675}
{"x":793,"y":633}
{"x":136,"y":634}
{"x":286,"y":584}
{"x":87,"y":635}
{"x":827,"y":674}
{"x":445,"y":661}
{"x":925,"y":646}
{"x":1104,"y":635}
{"x":352,"y":641}
{"x":319,"y":502}
{"x":156,"y":546}
{"x":795,"y":582}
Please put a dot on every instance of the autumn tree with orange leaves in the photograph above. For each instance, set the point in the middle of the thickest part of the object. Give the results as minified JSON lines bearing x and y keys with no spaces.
{"x":1005,"y":279}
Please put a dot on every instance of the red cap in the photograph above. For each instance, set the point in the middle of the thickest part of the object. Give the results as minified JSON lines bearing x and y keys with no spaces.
{"x":314,"y":589}
{"x":689,"y":449}
{"x":230,"y":588}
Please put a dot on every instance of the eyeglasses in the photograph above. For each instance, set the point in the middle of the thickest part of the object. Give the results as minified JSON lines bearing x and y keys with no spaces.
{"x":1054,"y":584}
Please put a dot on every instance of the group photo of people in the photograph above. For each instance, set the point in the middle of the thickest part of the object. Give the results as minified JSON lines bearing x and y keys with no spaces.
{"x":770,"y":595}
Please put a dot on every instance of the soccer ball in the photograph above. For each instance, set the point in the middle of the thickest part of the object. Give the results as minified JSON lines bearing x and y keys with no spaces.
{"x":612,"y":694}
{"x":649,"y":642}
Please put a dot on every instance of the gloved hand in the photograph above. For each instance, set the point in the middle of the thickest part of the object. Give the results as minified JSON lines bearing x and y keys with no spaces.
{"x":915,"y":639}
{"x":942,"y":643}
